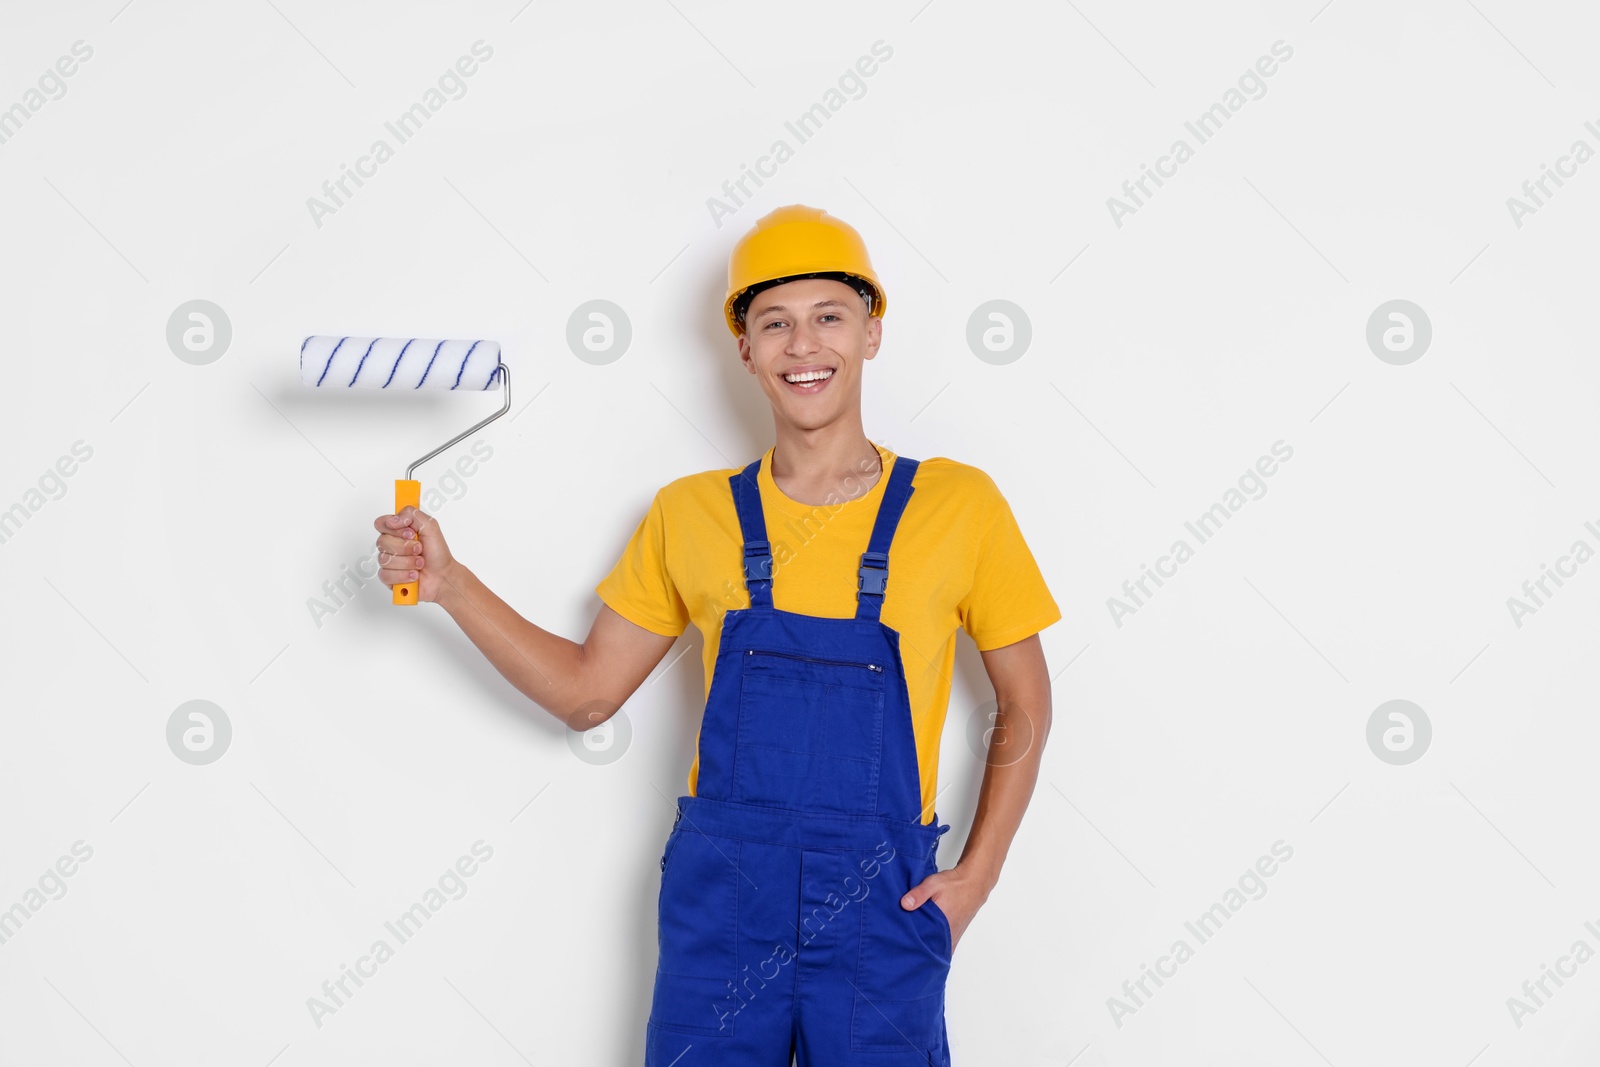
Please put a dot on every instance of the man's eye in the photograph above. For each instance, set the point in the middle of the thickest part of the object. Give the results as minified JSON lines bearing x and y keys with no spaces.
{"x":774,"y":322}
{"x":830,"y":315}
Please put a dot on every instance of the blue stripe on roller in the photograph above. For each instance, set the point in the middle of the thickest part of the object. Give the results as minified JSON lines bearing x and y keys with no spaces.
{"x":303,"y":356}
{"x":363,"y":362}
{"x":464,"y":359}
{"x":429,"y":367}
{"x":397,"y":360}
{"x":492,"y":375}
{"x":335,"y":352}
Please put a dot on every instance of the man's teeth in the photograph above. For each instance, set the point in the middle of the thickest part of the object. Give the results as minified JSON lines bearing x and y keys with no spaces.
{"x":808,"y":376}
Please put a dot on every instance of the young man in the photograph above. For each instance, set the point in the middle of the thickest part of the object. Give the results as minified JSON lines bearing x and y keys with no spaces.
{"x":803,"y":914}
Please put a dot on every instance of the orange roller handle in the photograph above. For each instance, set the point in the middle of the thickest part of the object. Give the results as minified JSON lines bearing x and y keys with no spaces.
{"x":406,"y":492}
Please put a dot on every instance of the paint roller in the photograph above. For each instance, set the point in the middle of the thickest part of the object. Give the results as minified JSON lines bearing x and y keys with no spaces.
{"x":397,"y":363}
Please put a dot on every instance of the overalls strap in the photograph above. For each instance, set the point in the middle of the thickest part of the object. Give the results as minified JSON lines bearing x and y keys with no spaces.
{"x":753,"y":526}
{"x":874,"y":574}
{"x":873,"y":577}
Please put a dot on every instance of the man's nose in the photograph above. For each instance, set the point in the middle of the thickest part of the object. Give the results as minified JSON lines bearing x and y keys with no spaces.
{"x":803,"y":339}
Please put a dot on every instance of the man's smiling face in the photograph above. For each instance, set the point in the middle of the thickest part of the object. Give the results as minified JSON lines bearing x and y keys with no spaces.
{"x":806,"y":342}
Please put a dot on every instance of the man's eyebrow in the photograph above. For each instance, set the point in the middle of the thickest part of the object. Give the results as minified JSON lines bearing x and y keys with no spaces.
{"x":828,"y":303}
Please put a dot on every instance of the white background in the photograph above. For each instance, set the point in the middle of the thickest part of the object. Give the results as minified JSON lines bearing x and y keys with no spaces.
{"x":1167,"y":355}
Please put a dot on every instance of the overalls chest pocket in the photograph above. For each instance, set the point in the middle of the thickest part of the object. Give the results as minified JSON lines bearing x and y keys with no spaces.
{"x":810,"y":733}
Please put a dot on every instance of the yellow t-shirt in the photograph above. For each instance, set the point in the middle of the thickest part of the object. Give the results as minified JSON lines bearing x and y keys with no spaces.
{"x":958,"y":561}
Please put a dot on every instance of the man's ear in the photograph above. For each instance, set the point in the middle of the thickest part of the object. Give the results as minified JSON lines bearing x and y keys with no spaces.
{"x":744,"y":353}
{"x":874,"y":336}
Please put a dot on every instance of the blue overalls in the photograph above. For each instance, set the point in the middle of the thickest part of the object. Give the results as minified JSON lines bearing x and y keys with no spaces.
{"x":781,"y":930}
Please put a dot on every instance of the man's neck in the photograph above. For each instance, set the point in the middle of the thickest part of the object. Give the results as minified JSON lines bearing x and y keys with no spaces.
{"x":827,"y":466}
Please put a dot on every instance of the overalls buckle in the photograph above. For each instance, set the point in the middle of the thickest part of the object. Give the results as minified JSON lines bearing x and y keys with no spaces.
{"x":758,"y":561}
{"x":874,"y":573}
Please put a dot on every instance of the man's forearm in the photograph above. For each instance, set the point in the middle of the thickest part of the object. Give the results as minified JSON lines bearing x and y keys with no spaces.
{"x":1008,"y":784}
{"x":545,"y":667}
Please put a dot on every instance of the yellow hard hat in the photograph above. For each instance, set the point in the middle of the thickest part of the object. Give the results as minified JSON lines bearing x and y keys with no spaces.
{"x":798,"y":241}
